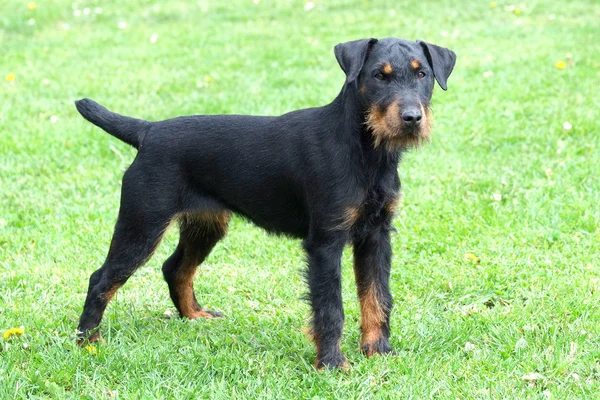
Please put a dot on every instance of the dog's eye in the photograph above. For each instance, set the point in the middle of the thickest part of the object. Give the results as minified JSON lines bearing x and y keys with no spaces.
{"x":379,"y":76}
{"x":421,"y":75}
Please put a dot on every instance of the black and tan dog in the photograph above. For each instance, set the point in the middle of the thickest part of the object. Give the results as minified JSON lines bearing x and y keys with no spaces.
{"x":327,"y":175}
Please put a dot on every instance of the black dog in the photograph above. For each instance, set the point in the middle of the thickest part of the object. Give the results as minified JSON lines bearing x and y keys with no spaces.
{"x":327,"y":175}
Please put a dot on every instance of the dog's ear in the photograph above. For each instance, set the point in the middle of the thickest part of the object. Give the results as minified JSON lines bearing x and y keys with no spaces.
{"x":352,"y":55}
{"x":440,"y":59}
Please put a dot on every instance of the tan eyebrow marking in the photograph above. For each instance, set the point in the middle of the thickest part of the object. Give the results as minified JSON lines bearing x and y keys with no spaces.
{"x":415,"y":64}
{"x":387,"y":69}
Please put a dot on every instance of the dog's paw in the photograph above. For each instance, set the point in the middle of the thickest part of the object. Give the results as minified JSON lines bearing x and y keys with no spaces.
{"x":380,"y":346}
{"x":202,"y":313}
{"x":331,"y":362}
{"x":85,"y":338}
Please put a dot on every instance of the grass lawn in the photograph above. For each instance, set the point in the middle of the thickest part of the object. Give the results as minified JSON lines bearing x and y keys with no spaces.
{"x":496,"y":267}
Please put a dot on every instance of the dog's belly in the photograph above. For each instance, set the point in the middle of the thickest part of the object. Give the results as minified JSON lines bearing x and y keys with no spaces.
{"x":271,"y":202}
{"x":286,"y":219}
{"x":276,"y":213}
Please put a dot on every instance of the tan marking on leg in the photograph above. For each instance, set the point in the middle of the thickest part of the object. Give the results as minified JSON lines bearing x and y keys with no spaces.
{"x":93,"y":338}
{"x":372,"y":318}
{"x":415,"y":64}
{"x":108,"y":295}
{"x":200,"y":314}
{"x":387,"y":69}
{"x":201,"y":222}
{"x":184,"y":280}
{"x":349,"y":218}
{"x":313,"y":338}
{"x":222,"y":221}
{"x":317,"y":348}
{"x":184,"y":284}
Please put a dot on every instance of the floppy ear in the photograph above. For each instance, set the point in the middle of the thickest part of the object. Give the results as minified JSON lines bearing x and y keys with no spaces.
{"x":352,"y":55}
{"x":440,"y":59}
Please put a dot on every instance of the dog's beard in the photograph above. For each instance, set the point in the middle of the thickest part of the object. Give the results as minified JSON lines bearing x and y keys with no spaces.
{"x":388,"y":129}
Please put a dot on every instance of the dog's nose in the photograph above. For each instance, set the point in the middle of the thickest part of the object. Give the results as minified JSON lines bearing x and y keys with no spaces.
{"x":412,"y":118}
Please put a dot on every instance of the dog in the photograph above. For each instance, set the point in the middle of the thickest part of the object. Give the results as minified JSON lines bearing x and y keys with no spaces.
{"x":327,"y":175}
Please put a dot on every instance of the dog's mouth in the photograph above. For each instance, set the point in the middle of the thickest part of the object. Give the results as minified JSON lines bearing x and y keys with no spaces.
{"x":388,"y":128}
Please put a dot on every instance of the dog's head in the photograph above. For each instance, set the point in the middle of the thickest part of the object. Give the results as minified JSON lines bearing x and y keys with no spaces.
{"x":392,"y":79}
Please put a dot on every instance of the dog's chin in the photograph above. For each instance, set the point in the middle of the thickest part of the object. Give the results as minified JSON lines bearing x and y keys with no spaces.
{"x":399,"y":139}
{"x":407,"y":140}
{"x":389,"y":132}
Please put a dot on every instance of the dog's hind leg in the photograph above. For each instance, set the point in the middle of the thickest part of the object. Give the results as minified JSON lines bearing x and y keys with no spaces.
{"x":199,"y":233}
{"x":133,"y":243}
{"x":140,"y":226}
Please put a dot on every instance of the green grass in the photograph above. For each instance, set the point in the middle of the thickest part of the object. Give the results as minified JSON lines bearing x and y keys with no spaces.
{"x":530,"y":305}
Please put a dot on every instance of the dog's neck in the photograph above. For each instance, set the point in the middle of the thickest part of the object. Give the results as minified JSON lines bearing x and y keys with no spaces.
{"x":354,"y":111}
{"x":374,"y":160}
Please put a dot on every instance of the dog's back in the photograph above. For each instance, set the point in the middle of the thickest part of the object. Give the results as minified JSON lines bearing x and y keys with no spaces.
{"x":210,"y":160}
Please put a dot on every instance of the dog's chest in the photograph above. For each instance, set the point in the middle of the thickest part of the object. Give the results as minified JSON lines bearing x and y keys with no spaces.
{"x":376,"y":209}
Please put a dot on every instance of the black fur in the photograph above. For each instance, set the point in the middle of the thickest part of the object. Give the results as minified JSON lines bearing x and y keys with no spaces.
{"x":327,"y":175}
{"x":129,"y":130}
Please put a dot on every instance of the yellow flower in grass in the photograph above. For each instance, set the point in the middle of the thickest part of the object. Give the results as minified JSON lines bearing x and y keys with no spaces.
{"x":11,"y":77}
{"x":472,"y":257}
{"x":493,"y":4}
{"x":91,"y":349}
{"x":14,"y":332}
{"x":31,"y":5}
{"x":560,"y":64}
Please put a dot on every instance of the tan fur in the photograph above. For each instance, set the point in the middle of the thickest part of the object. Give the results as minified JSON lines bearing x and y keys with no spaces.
{"x":372,"y":318}
{"x":426,"y":123}
{"x":109,"y":294}
{"x":318,"y":348}
{"x":392,"y":204}
{"x":184,"y":284}
{"x":200,"y":314}
{"x":184,"y":280}
{"x":376,"y":122}
{"x":351,"y":215}
{"x":201,"y":222}
{"x":387,"y":127}
{"x":363,"y":89}
{"x":93,"y":338}
{"x":415,"y":64}
{"x":387,"y":69}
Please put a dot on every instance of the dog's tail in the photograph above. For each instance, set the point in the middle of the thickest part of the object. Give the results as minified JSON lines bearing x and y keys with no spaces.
{"x":129,"y":130}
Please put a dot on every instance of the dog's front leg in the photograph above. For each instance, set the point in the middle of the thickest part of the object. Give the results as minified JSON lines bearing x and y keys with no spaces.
{"x":325,"y":284}
{"x":372,"y":261}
